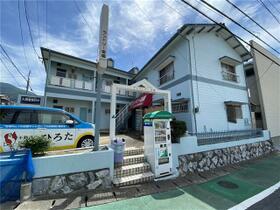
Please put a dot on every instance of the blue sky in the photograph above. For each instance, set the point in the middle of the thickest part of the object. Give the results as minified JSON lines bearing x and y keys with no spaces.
{"x":137,"y":29}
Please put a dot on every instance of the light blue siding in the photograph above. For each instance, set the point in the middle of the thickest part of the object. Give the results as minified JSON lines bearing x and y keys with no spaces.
{"x":198,"y":77}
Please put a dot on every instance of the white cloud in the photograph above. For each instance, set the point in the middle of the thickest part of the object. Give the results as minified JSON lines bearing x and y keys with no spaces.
{"x":132,"y":24}
{"x":135,"y":27}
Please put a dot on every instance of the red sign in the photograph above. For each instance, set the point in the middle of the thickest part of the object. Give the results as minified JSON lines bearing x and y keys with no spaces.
{"x":142,"y":101}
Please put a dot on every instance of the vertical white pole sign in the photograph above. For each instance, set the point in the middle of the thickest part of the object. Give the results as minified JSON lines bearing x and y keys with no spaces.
{"x":102,"y":65}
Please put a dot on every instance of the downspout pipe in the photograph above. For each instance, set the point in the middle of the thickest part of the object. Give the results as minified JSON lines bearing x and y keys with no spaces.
{"x":192,"y":91}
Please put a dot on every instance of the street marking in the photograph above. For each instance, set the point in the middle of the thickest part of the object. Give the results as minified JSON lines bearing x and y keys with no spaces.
{"x":256,"y":198}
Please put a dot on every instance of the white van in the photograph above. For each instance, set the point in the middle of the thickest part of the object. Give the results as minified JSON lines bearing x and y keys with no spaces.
{"x":64,"y":129}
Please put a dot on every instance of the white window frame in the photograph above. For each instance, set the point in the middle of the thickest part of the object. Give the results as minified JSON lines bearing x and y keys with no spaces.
{"x":60,"y":69}
{"x":227,"y":74}
{"x":237,"y":112}
{"x":168,"y":75}
{"x":180,"y":107}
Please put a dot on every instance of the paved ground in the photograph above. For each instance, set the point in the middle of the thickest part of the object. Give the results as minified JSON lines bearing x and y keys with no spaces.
{"x":272,"y":202}
{"x":131,"y":140}
{"x":197,"y":191}
{"x":224,"y":192}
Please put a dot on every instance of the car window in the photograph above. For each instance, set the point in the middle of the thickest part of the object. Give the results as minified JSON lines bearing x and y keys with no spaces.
{"x":23,"y":117}
{"x":49,"y":117}
{"x":6,"y":116}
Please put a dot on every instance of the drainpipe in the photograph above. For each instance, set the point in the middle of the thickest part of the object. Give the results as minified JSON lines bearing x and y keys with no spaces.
{"x":48,"y":65}
{"x":192,"y":91}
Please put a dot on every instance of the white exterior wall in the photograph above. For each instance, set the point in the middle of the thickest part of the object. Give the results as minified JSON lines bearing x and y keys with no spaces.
{"x":82,"y":98}
{"x":179,"y":50}
{"x":79,"y":72}
{"x":77,"y":104}
{"x":105,"y":119}
{"x":200,"y":55}
{"x":206,"y":49}
{"x":181,"y":69}
{"x":212,"y":111}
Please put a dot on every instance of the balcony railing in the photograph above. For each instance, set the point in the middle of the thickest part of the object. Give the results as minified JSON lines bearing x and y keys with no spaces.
{"x":71,"y":83}
{"x":230,"y":76}
{"x":165,"y":78}
{"x":84,"y":85}
{"x":108,"y":89}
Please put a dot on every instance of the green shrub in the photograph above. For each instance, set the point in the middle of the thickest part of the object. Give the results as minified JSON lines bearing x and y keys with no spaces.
{"x":178,"y":129}
{"x":38,"y":144}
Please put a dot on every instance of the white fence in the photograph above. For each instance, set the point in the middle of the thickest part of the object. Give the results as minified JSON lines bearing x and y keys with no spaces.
{"x":73,"y":163}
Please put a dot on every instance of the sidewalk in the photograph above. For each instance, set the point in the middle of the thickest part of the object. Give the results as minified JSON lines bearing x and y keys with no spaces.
{"x":220,"y":193}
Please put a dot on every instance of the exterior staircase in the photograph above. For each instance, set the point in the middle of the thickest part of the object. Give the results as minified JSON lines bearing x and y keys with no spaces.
{"x":122,"y":116}
{"x":133,"y":170}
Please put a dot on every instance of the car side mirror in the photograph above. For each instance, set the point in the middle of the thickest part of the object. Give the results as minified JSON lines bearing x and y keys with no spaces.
{"x":69,"y":122}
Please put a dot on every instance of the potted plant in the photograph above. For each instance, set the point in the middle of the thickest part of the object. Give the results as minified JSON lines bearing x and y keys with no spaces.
{"x":38,"y":144}
{"x":178,"y":129}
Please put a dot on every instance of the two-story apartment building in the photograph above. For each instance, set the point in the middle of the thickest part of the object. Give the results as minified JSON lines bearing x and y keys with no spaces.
{"x":202,"y":66}
{"x":71,"y":85}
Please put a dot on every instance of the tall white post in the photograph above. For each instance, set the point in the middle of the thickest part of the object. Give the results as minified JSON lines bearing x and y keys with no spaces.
{"x":167,"y":102}
{"x":93,"y":110}
{"x":101,"y":67}
{"x":113,"y":113}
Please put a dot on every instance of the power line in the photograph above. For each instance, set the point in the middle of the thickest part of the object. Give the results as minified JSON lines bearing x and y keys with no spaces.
{"x":185,"y":58}
{"x":222,"y":13}
{"x":8,"y":70}
{"x":273,"y":6}
{"x":22,"y":40}
{"x":236,"y":7}
{"x":232,"y":34}
{"x":263,"y":4}
{"x":29,"y":28}
{"x":84,"y":19}
{"x":11,"y":61}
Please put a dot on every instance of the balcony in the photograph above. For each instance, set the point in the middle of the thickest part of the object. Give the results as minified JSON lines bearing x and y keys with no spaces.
{"x":71,"y":83}
{"x":108,"y":89}
{"x":229,"y":76}
{"x":84,"y":85}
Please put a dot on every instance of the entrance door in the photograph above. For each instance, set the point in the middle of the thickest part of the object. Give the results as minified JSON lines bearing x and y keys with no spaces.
{"x":83,"y":113}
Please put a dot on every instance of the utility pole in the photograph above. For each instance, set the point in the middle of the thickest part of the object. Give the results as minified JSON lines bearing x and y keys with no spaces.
{"x":101,"y":67}
{"x":27,"y":84}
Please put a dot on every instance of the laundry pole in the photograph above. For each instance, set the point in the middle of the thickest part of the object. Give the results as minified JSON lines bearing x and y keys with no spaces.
{"x":101,"y":67}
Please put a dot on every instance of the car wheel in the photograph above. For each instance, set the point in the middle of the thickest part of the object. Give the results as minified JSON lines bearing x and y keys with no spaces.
{"x":87,"y":141}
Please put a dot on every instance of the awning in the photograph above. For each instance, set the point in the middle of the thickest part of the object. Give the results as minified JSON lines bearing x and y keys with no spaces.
{"x":235,"y":103}
{"x":158,"y":115}
{"x":230,"y":61}
{"x":142,"y":101}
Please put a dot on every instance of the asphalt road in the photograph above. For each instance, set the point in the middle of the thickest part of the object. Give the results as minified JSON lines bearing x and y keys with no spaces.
{"x":272,"y":202}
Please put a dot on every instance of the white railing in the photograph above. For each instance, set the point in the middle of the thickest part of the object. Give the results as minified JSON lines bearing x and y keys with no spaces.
{"x":167,"y":77}
{"x":84,"y":85}
{"x":71,"y":83}
{"x":108,"y":89}
{"x":230,"y":76}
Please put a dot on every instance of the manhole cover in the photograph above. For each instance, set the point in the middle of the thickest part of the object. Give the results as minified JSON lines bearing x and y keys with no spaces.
{"x":227,"y":184}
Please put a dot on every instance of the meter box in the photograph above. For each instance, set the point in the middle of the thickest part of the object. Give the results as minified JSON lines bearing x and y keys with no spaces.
{"x":157,"y":142}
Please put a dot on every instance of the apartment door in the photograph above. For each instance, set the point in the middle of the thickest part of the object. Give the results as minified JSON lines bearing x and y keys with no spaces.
{"x":83,"y":113}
